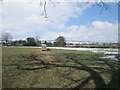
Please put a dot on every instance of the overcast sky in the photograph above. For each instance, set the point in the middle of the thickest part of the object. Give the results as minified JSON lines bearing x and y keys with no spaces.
{"x":74,"y":21}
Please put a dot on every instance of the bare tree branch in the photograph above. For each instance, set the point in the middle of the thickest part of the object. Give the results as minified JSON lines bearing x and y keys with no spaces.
{"x":45,"y":12}
{"x":45,"y":9}
{"x":103,"y":5}
{"x":52,"y":3}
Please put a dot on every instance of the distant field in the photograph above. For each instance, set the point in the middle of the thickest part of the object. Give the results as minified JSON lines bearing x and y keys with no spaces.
{"x":34,"y":68}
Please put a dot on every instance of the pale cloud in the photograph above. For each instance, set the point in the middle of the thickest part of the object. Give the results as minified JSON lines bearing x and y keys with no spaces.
{"x":101,"y":25}
{"x":85,"y":33}
{"x":0,"y":17}
{"x":60,"y":26}
{"x":83,"y":28}
{"x":39,"y":20}
{"x":73,"y":27}
{"x":22,"y":17}
{"x":58,"y":14}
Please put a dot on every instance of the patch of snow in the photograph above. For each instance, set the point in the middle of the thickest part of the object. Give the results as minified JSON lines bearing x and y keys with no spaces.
{"x":113,"y":57}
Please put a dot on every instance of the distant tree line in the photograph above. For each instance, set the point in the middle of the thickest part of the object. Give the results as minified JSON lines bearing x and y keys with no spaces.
{"x":6,"y":40}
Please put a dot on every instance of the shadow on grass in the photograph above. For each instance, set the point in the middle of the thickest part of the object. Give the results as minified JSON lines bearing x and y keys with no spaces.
{"x":115,"y":73}
{"x":94,"y":75}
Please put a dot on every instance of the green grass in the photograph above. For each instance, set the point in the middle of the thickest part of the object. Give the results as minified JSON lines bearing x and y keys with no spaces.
{"x":33,"y":68}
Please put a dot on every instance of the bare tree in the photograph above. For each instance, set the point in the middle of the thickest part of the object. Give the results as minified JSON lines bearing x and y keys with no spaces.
{"x":6,"y":37}
{"x":37,"y":39}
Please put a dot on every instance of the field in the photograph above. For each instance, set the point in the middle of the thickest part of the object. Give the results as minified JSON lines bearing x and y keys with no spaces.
{"x":34,"y":68}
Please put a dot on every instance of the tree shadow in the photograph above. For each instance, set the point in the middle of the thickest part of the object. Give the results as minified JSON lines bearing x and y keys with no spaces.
{"x":94,"y":75}
{"x":115,"y":73}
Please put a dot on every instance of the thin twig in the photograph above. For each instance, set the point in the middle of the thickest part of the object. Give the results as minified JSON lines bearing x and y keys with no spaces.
{"x":103,"y":5}
{"x":45,"y":12}
{"x":52,"y":3}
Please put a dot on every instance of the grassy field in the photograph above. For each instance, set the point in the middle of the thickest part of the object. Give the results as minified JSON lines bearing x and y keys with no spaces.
{"x":33,"y":68}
